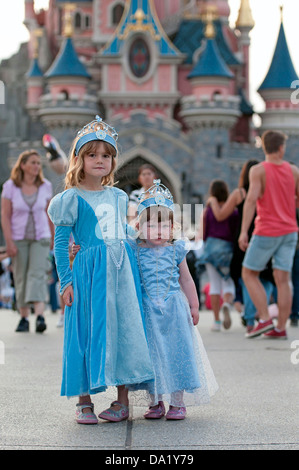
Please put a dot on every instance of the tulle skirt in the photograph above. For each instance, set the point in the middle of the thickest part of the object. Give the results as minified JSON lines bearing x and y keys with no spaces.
{"x":183,"y":374}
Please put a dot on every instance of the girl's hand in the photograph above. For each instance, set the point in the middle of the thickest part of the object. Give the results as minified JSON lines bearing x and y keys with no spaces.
{"x":210,"y":200}
{"x":195,"y":315}
{"x":11,"y":249}
{"x":68,"y":296}
{"x":75,"y":249}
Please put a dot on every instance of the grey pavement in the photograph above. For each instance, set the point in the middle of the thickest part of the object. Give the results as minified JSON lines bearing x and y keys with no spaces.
{"x":255,"y":408}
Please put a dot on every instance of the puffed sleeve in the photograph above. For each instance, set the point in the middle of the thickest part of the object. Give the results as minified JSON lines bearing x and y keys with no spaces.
{"x":7,"y":189}
{"x":181,"y":250}
{"x":63,"y":208}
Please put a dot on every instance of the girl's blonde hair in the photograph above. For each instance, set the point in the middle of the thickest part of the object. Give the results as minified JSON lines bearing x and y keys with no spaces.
{"x":75,"y":174}
{"x":17,"y":174}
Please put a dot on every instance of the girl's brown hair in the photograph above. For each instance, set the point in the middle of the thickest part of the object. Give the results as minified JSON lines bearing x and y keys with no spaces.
{"x":219,"y":190}
{"x":17,"y":174}
{"x":75,"y":173}
{"x":244,"y":175}
{"x":163,"y":214}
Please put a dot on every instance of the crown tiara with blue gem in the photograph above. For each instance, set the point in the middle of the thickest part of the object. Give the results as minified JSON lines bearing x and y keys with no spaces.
{"x":96,"y":130}
{"x":156,"y":195}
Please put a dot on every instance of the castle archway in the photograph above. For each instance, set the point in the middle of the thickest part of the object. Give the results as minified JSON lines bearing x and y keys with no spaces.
{"x":129,"y":164}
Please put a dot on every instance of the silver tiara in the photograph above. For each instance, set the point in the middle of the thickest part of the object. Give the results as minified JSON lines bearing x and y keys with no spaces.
{"x":96,"y":130}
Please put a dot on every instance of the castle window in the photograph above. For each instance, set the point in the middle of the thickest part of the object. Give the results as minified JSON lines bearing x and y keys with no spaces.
{"x":117,"y":13}
{"x":65,"y":94}
{"x":219,"y":150}
{"x":77,"y":20}
{"x":139,"y":57}
{"x":87,"y":22}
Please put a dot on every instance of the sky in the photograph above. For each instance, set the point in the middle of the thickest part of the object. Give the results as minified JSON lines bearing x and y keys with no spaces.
{"x":266,"y":14}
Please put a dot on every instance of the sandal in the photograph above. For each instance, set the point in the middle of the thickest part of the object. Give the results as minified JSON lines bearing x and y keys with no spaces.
{"x":155,"y":412}
{"x":112,"y":415}
{"x":85,"y":418}
{"x":178,"y":413}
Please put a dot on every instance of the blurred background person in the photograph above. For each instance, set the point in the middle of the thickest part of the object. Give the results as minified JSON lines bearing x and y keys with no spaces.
{"x":28,"y":233}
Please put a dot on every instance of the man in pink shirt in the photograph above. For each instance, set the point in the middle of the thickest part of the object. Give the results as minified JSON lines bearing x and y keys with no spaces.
{"x":273,"y":191}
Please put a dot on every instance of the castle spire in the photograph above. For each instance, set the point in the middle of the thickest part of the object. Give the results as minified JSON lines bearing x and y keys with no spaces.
{"x":281,"y":113}
{"x":245,"y":18}
{"x":281,"y":72}
{"x":209,"y":16}
{"x":67,"y":62}
{"x":68,"y":20}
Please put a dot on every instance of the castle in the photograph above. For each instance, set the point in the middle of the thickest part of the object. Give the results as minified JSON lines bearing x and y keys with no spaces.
{"x":171,"y":76}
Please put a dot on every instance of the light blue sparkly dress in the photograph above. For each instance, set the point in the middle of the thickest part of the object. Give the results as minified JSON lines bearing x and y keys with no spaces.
{"x":183,"y":374}
{"x":104,"y":339}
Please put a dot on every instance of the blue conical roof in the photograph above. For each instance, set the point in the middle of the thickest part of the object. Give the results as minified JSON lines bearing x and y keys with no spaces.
{"x":34,"y":70}
{"x":67,"y":62}
{"x":282,"y":72}
{"x":210,"y":63}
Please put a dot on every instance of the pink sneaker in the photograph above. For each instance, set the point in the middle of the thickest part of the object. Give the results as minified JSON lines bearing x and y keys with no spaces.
{"x":273,"y":334}
{"x":155,"y":412}
{"x":260,"y":329}
{"x":176,"y":413}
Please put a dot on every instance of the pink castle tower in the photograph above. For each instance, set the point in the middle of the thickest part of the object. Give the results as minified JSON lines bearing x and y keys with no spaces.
{"x":68,"y":102}
{"x":212,"y":100}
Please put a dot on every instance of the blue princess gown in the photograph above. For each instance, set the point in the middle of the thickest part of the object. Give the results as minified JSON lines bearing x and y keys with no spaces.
{"x":183,"y":374}
{"x":104,"y":339}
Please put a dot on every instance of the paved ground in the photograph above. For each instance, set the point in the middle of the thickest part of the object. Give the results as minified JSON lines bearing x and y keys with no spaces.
{"x":256,"y":407}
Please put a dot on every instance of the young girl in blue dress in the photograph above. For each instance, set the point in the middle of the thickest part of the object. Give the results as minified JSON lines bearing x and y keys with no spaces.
{"x":183,"y":375}
{"x":104,"y":343}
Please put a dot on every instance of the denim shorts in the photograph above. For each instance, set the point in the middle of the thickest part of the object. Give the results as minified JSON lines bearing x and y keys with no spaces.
{"x":280,"y":249}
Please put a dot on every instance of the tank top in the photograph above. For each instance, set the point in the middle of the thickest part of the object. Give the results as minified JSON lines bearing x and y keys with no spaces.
{"x":225,"y":229}
{"x":276,"y":209}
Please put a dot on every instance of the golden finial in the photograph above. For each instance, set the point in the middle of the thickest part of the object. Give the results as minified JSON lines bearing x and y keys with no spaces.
{"x":281,"y":13}
{"x":208,"y":17}
{"x":245,"y":17}
{"x":139,"y":26}
{"x":68,"y":19}
{"x":139,"y":16}
{"x":37,"y":33}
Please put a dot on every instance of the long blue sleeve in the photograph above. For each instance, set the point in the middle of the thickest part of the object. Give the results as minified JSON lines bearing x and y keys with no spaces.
{"x":61,"y":252}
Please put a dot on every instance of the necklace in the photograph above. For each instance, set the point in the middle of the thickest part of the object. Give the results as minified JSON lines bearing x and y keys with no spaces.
{"x":161,"y":299}
{"x":117,"y":264}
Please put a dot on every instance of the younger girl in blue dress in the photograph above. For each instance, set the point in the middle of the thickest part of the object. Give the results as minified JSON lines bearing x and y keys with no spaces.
{"x":183,"y":374}
{"x":104,"y":343}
